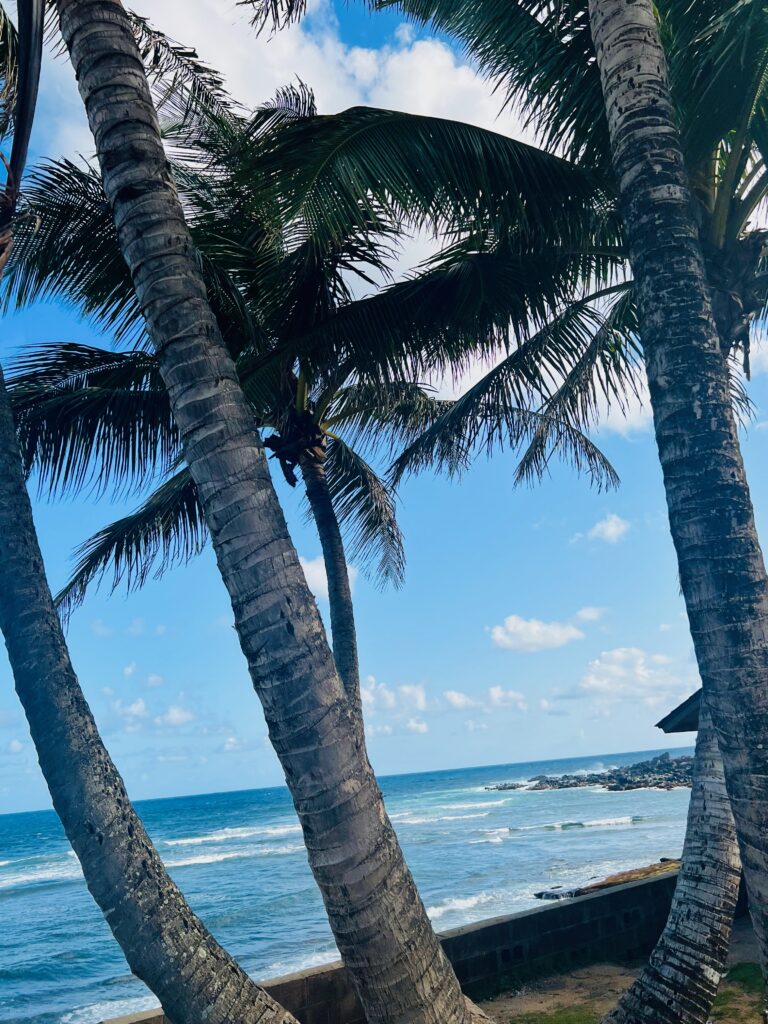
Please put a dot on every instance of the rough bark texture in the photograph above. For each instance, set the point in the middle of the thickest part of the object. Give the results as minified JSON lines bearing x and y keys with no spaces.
{"x":165,"y":944}
{"x":339,"y":591}
{"x":680,"y":983}
{"x":377,"y":917}
{"x":722,"y":572}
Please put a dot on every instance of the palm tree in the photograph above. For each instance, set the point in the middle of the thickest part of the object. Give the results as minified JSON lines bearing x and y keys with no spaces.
{"x":681,"y":980}
{"x":542,"y":54}
{"x":377,"y":917}
{"x":164,"y":942}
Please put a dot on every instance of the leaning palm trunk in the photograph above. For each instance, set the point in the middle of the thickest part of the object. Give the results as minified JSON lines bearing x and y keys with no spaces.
{"x":680,"y":983}
{"x":165,"y":944}
{"x":379,"y":922}
{"x":343,"y":630}
{"x":722,"y":572}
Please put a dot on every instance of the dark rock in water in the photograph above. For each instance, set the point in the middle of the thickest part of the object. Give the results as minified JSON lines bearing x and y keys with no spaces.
{"x":663,"y":772}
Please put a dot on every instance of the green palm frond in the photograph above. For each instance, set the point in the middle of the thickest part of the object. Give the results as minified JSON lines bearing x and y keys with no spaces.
{"x":183,"y":85}
{"x":367,"y":164}
{"x":89,"y":416}
{"x":67,"y":249}
{"x":541,"y":399}
{"x":458,"y":306}
{"x":540,"y":57}
{"x":365,"y":509}
{"x":383,"y":418}
{"x":167,"y":529}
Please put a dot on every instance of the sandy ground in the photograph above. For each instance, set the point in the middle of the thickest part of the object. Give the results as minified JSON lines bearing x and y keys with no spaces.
{"x":596,"y":989}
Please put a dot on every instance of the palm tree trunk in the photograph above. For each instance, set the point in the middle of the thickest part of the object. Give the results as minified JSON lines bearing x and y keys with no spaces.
{"x":165,"y":944}
{"x":381,"y":928}
{"x":722,"y":572}
{"x":680,"y":983}
{"x":339,"y":591}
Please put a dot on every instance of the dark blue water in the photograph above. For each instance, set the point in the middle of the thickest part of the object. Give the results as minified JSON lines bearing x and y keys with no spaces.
{"x":240,"y":861}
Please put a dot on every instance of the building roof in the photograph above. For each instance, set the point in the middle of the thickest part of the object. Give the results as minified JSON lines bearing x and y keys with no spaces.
{"x":684,"y":718}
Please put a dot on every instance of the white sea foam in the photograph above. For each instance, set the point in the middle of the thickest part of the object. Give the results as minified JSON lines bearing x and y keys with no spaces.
{"x":112,"y":1008}
{"x":51,"y":872}
{"x":224,"y":835}
{"x":254,"y":851}
{"x":476,"y":806}
{"x":409,"y":819}
{"x":458,"y":904}
{"x":4,"y":863}
{"x":301,"y":963}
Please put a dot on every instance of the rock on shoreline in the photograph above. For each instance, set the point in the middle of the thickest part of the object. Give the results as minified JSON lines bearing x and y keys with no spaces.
{"x":663,"y":772}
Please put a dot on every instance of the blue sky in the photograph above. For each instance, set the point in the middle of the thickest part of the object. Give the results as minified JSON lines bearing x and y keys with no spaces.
{"x":534,"y":623}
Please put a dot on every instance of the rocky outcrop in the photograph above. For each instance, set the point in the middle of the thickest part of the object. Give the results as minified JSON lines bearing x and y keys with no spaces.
{"x":663,"y":772}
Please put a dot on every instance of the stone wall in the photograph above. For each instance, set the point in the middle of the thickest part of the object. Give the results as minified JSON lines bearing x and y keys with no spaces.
{"x":618,"y":924}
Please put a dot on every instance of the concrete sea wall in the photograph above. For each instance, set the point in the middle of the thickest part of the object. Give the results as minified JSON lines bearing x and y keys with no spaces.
{"x":618,"y":924}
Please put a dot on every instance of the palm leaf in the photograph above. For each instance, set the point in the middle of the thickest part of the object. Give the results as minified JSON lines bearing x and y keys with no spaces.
{"x":366,"y":164}
{"x":86,"y":415}
{"x":365,"y":509}
{"x":167,"y":529}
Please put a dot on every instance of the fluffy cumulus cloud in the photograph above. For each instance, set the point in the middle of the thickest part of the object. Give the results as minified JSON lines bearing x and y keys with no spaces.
{"x":460,"y":701}
{"x":174,"y":716}
{"x":630,"y":673}
{"x":501,"y":698}
{"x":528,"y":635}
{"x":610,"y":529}
{"x":15,"y":747}
{"x":417,"y":725}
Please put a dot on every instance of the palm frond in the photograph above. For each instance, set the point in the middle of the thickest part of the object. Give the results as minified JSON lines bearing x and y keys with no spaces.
{"x":367,"y":164}
{"x":540,"y":400}
{"x":167,"y":529}
{"x":383,"y":418}
{"x":540,"y":57}
{"x":183,"y":85}
{"x":89,"y":416}
{"x":462,"y":304}
{"x":365,"y":509}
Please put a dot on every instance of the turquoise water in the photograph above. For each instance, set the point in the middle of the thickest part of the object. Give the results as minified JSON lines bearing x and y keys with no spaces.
{"x":240,"y":861}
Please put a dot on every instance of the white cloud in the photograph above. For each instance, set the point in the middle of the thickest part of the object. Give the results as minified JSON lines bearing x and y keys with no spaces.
{"x":416,"y":725}
{"x":133,"y":714}
{"x":175,"y":716}
{"x":137,"y":709}
{"x":154,"y":680}
{"x":610,"y":529}
{"x":630,"y":673}
{"x":231,"y":743}
{"x":590,"y":614}
{"x":161,"y":629}
{"x":413,"y":695}
{"x":100,"y":628}
{"x":501,"y":698}
{"x":550,"y":707}
{"x":129,"y":670}
{"x":377,"y":695}
{"x":518,"y":634}
{"x":664,"y":627}
{"x":379,"y":730}
{"x":136,"y":627}
{"x":15,"y":747}
{"x":317,"y":580}
{"x":460,"y":701}
{"x":472,"y":726}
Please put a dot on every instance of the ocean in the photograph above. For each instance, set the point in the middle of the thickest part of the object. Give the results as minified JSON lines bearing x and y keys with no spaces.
{"x":240,"y":861}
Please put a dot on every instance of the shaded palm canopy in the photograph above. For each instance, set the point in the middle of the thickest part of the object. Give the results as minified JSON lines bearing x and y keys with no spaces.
{"x":329,"y":376}
{"x":540,"y":57}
